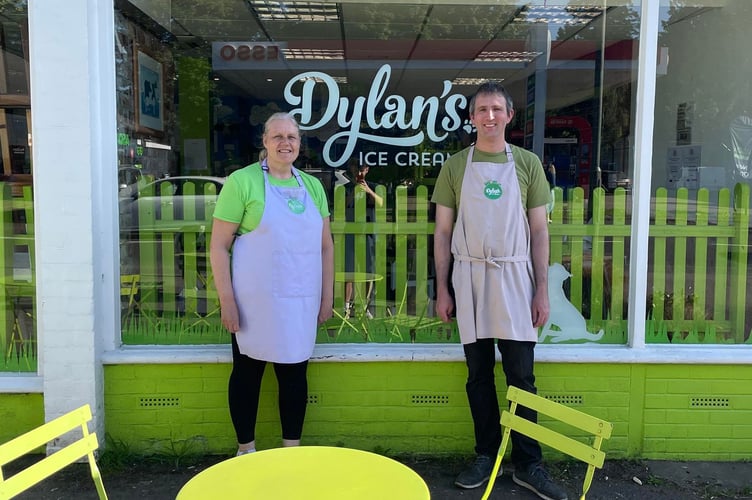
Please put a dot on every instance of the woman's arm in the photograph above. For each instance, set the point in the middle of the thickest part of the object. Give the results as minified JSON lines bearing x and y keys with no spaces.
{"x":327,"y":273}
{"x":223,"y":234}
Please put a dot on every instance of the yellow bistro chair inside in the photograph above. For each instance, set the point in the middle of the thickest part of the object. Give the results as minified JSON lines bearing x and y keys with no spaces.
{"x":590,"y":454}
{"x":35,"y":438}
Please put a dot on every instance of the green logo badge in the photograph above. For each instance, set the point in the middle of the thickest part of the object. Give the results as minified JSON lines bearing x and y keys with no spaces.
{"x":492,"y":190}
{"x":295,"y":206}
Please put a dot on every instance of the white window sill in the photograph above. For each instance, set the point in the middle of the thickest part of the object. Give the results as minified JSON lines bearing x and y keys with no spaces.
{"x":19,"y":383}
{"x":653,"y":354}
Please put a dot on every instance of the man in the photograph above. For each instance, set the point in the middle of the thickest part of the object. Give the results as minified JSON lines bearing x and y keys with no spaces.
{"x":499,"y":241}
{"x":359,"y":187}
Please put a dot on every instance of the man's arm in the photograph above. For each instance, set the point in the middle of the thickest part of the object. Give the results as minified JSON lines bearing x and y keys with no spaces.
{"x":539,"y":245}
{"x":442,"y":252}
{"x":377,"y":200}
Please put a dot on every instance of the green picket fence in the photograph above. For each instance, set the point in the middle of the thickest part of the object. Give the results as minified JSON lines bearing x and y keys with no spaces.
{"x":698,"y":272}
{"x":17,"y":293}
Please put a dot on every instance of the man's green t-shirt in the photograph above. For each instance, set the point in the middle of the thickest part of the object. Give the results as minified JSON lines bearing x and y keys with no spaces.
{"x":241,"y":200}
{"x":534,"y":187}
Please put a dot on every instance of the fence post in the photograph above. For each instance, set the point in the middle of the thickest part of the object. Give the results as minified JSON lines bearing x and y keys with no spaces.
{"x":6,"y":260}
{"x":339,"y":219}
{"x":739,"y":262}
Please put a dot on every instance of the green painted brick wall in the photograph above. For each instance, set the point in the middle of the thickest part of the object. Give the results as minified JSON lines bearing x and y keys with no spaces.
{"x":20,"y":413}
{"x":696,"y":412}
{"x":401,"y":407}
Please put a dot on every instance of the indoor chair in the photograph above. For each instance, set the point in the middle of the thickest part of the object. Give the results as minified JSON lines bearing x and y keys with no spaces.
{"x":35,"y":438}
{"x":590,"y":454}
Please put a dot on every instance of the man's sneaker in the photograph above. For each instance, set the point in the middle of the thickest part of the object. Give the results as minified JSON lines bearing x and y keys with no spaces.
{"x":478,"y":473}
{"x":539,"y":481}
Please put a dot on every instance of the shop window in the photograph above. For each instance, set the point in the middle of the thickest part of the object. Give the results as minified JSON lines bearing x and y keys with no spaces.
{"x":388,"y":89}
{"x":18,"y":289}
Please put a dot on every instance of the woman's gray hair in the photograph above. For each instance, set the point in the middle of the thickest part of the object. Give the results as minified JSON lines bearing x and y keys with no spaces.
{"x":281,"y":115}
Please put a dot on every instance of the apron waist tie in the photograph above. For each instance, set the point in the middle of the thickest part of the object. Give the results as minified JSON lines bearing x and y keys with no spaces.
{"x":494,"y":261}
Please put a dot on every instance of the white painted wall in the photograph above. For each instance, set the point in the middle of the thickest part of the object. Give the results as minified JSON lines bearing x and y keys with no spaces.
{"x":75,"y":192}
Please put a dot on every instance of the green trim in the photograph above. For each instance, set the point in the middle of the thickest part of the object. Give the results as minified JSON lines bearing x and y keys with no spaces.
{"x":686,"y":412}
{"x":636,"y":420}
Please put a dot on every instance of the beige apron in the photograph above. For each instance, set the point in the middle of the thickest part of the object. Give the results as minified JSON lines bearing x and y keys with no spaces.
{"x":493,"y":273}
{"x":276,"y":276}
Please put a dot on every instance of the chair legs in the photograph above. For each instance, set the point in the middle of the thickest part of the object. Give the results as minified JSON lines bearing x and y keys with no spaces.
{"x":491,"y":480}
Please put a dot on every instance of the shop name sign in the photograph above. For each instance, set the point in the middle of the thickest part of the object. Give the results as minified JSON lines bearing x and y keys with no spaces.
{"x":246,"y":55}
{"x":433,"y":116}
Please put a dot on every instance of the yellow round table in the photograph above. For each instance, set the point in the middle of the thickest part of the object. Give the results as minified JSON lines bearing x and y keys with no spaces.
{"x":307,"y":472}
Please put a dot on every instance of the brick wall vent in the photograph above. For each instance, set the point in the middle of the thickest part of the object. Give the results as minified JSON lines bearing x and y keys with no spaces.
{"x":708,"y":402}
{"x":150,"y":402}
{"x":429,"y":399}
{"x":565,"y":399}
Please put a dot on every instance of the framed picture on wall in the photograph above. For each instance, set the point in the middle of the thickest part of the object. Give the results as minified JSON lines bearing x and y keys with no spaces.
{"x":149,"y":89}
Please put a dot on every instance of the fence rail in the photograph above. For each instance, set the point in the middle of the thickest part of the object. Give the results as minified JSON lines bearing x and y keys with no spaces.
{"x":698,"y":267}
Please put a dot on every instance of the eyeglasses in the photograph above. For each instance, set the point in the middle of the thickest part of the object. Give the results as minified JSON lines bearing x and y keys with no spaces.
{"x":282,"y":138}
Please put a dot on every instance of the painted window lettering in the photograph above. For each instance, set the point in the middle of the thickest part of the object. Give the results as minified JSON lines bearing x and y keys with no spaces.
{"x":422,"y":112}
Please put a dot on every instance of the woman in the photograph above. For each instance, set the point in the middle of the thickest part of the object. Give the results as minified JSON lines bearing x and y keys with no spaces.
{"x":278,"y":285}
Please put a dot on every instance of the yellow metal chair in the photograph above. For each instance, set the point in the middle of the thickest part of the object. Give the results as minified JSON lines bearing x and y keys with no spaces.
{"x":590,"y":454}
{"x":129,"y":284}
{"x":206,"y":292}
{"x":132,"y":297}
{"x":30,"y":441}
{"x":410,"y":323}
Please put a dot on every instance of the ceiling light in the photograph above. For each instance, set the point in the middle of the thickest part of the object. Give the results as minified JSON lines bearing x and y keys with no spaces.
{"x":507,"y":56}
{"x":294,"y":11}
{"x":563,"y":14}
{"x":337,"y":79}
{"x":474,"y":82}
{"x":308,"y":54}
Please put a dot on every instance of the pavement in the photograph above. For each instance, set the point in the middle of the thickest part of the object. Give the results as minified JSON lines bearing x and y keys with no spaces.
{"x":150,"y":479}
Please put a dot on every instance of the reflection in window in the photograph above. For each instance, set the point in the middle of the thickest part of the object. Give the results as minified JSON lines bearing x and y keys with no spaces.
{"x":700,"y":274}
{"x":388,"y":89}
{"x":18,"y":290}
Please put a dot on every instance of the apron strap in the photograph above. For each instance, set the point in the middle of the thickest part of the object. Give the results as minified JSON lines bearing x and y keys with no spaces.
{"x":494,"y":261}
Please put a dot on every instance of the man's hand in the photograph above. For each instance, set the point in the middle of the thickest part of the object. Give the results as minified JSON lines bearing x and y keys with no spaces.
{"x":444,"y":306}
{"x":541,"y":308}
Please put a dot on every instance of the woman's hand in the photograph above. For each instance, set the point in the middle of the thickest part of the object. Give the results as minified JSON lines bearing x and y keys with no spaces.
{"x":325,"y":312}
{"x":230,"y":317}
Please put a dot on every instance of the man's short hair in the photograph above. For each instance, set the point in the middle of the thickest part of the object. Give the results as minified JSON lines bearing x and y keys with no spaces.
{"x":494,"y":88}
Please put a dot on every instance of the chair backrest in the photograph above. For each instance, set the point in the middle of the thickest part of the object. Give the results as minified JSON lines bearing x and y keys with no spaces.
{"x":591,"y":454}
{"x":129,"y":284}
{"x":30,"y":441}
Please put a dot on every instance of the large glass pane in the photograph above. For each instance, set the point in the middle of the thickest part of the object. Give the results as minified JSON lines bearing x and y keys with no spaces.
{"x":700,"y":273}
{"x":17,"y":292}
{"x":377,"y":85}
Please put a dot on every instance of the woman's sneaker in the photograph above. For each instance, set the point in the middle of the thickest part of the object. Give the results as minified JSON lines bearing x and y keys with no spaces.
{"x":478,"y":473}
{"x":538,"y":480}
